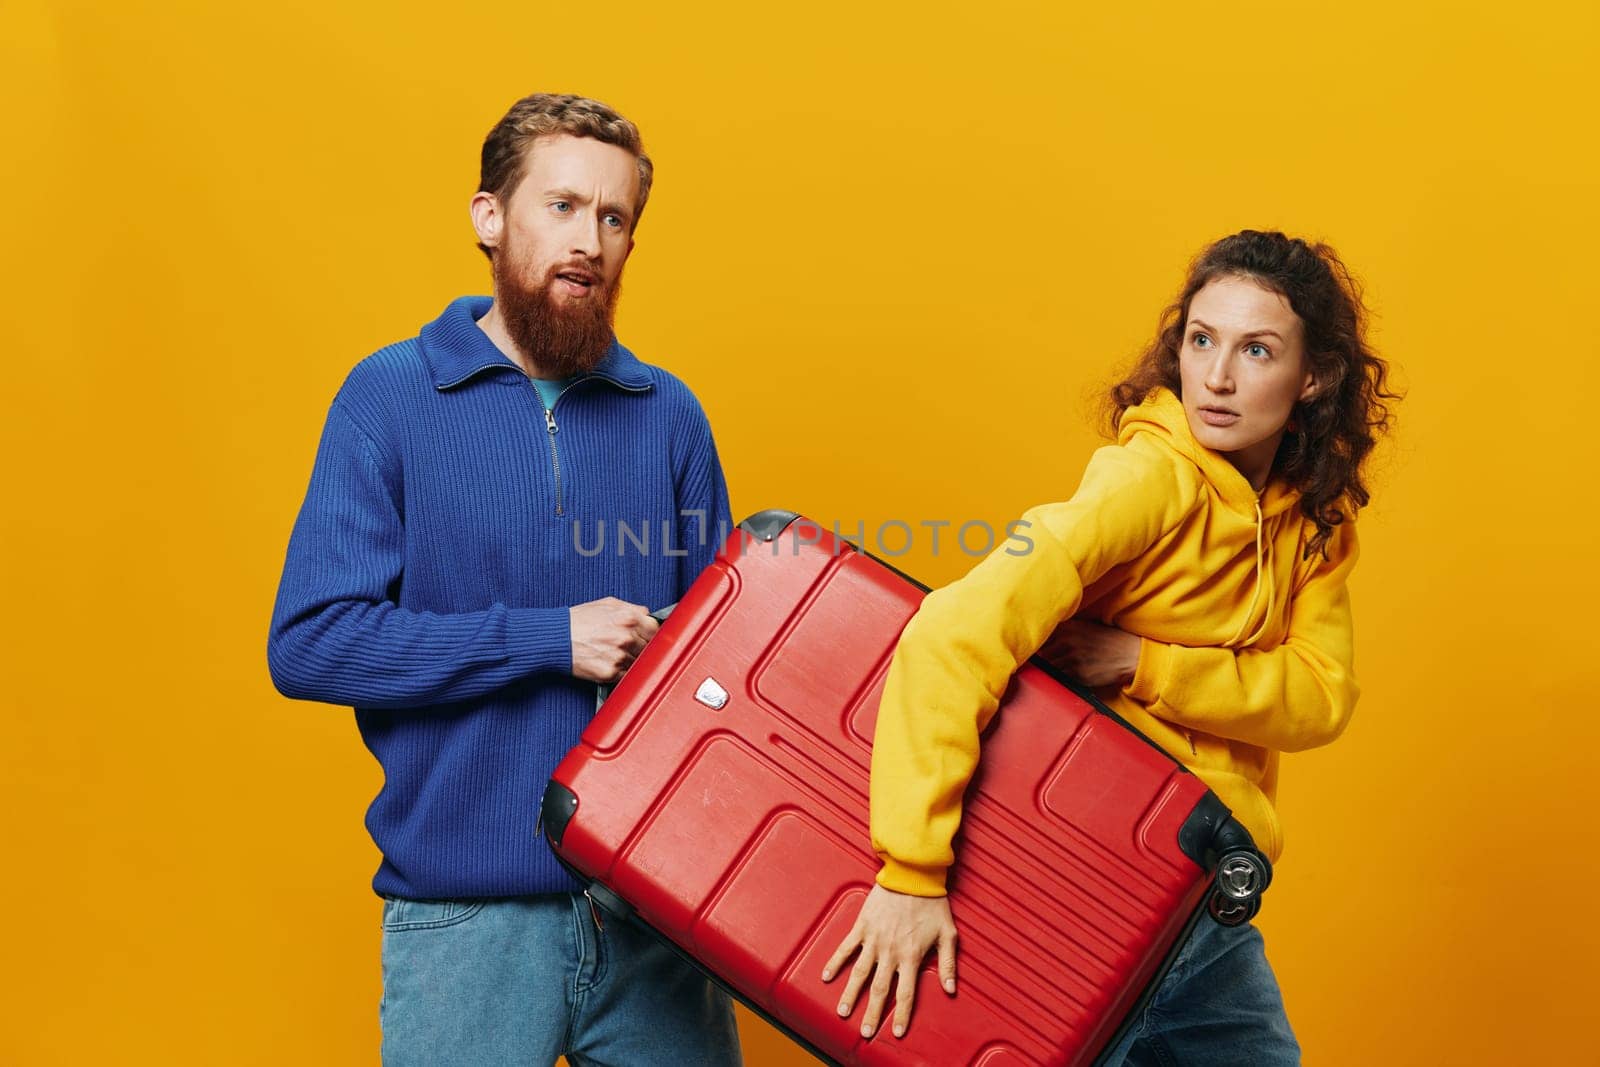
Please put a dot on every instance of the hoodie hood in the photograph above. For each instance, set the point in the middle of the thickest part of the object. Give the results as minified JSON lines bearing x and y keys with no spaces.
{"x":1162,"y":416}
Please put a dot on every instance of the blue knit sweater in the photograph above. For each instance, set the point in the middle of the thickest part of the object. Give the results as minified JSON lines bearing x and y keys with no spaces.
{"x":445,"y":534}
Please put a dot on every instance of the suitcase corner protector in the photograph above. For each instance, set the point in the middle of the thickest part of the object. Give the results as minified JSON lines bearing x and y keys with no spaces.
{"x":556,"y":810}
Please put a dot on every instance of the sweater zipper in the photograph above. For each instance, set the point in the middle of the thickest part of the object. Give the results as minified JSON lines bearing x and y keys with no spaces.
{"x":555,"y":456}
{"x":551,"y":428}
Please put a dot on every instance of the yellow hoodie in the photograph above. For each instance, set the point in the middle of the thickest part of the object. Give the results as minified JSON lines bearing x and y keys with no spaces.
{"x":1245,"y":651}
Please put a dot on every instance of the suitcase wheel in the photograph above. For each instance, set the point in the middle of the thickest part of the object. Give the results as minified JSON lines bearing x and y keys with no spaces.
{"x":1243,"y":875}
{"x":1232,"y":912}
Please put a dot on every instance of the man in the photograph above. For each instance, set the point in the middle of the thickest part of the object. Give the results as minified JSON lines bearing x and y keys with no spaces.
{"x":435,"y":581}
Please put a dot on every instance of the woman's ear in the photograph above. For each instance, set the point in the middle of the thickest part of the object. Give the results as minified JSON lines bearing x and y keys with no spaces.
{"x":1309,"y":389}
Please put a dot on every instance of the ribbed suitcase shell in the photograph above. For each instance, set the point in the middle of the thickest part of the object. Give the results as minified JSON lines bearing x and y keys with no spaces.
{"x":740,"y":833}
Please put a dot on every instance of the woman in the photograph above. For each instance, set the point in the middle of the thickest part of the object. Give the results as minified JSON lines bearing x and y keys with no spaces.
{"x":1197,"y":580}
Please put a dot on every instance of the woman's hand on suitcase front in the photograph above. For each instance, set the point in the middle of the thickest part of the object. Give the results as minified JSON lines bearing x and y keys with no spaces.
{"x":606,"y":636}
{"x":894,"y":931}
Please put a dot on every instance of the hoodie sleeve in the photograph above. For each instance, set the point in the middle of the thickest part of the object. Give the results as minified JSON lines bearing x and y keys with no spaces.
{"x":1296,"y":696}
{"x":957,"y":654}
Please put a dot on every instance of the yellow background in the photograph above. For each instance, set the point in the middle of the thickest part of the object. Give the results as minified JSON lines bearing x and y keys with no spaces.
{"x":895,"y":253}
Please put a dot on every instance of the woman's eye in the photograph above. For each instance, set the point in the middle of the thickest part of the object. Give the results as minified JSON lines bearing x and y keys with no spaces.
{"x":1257,"y":350}
{"x":1200,"y":340}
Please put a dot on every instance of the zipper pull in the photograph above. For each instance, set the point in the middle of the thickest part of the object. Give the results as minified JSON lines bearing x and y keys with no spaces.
{"x":549,"y":420}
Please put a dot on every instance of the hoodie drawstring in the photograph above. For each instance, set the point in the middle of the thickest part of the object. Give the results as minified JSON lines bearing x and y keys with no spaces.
{"x":1263,"y":578}
{"x":1263,"y":575}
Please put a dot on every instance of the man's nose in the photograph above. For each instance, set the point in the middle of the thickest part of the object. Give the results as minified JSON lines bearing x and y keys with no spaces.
{"x":586,"y":237}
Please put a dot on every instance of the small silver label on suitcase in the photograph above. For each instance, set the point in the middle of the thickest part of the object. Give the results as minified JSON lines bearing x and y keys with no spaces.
{"x":711,"y":694}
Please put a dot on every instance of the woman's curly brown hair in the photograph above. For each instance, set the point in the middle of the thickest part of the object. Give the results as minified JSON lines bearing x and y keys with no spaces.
{"x":1329,"y":435}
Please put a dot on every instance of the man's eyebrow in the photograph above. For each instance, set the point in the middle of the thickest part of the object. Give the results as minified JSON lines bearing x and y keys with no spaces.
{"x":1253,"y":333}
{"x":579,"y":198}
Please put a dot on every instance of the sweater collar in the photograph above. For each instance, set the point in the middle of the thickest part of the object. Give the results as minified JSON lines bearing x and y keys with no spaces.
{"x":456,"y":350}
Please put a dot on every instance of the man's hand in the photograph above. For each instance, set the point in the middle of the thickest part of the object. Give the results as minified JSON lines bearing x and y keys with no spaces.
{"x":606,"y":636}
{"x":1093,"y":653}
{"x":894,"y":931}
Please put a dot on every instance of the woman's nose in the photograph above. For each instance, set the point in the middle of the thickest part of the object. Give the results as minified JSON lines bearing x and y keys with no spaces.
{"x":1219,"y":376}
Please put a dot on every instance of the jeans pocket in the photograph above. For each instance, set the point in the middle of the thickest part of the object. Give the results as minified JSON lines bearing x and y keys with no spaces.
{"x":401,"y":914}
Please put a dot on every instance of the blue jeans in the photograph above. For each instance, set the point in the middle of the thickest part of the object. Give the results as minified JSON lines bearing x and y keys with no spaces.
{"x":1218,"y":1005}
{"x":484,"y":983}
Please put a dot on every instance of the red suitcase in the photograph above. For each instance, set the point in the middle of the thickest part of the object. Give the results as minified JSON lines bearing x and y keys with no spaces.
{"x":720,"y":797}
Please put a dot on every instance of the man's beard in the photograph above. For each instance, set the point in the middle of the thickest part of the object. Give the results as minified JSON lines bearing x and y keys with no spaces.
{"x":562,"y":337}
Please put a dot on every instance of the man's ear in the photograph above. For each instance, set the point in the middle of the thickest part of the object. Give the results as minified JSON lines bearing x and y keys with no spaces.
{"x":487,"y":219}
